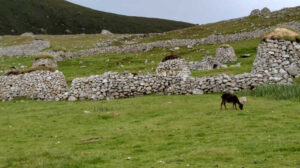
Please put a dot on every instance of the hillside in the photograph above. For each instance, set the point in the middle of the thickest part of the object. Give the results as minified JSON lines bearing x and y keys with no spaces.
{"x":61,"y":17}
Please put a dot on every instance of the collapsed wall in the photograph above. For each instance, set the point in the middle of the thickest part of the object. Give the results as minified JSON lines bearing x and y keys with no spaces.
{"x":41,"y":85}
{"x":30,"y":49}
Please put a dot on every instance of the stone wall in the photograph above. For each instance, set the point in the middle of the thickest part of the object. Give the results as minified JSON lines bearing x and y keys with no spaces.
{"x":31,"y":49}
{"x":41,"y":85}
{"x":272,"y":65}
{"x":275,"y":59}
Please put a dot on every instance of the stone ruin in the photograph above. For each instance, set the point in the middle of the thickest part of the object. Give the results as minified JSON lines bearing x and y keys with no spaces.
{"x":207,"y":63}
{"x":174,"y":67}
{"x":225,"y":54}
{"x":44,"y":60}
{"x":273,"y":64}
{"x":31,"y":49}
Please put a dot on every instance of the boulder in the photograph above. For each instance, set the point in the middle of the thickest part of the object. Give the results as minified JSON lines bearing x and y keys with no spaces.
{"x":293,"y":70}
{"x":27,"y":34}
{"x":106,"y":32}
{"x":225,"y":54}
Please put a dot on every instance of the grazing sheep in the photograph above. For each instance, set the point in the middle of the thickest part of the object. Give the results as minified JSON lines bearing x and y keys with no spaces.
{"x":230,"y":98}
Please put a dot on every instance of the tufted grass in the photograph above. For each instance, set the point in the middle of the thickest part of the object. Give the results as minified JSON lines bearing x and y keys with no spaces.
{"x":277,"y":91}
{"x":44,"y":55}
{"x":154,"y":131}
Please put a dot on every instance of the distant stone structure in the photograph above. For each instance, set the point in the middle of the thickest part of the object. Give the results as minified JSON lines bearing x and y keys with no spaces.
{"x":207,"y":63}
{"x":225,"y":54}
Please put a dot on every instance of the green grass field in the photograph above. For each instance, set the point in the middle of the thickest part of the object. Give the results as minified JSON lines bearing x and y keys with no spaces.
{"x":150,"y":131}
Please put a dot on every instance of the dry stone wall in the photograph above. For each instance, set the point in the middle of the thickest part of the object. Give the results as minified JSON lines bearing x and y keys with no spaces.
{"x":277,"y":60}
{"x":273,"y":64}
{"x":41,"y":85}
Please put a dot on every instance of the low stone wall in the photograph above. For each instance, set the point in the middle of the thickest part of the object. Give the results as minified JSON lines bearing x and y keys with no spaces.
{"x":40,"y":85}
{"x":272,"y":65}
{"x":31,"y":49}
{"x":114,"y":85}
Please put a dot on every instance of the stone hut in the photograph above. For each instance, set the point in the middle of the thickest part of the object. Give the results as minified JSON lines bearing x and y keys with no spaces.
{"x":207,"y":63}
{"x":278,"y":56}
{"x":173,"y":66}
{"x":225,"y":54}
{"x":44,"y":59}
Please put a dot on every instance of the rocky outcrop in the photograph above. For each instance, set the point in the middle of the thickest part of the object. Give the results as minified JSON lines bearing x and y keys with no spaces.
{"x":39,"y":85}
{"x":225,"y":54}
{"x":255,"y":12}
{"x":31,"y":49}
{"x":263,"y":12}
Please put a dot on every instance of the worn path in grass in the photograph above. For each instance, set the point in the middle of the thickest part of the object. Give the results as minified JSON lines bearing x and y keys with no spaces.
{"x":150,"y":131}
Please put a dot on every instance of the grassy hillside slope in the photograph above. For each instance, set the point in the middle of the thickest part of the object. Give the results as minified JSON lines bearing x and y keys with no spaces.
{"x":57,"y":16}
{"x":246,"y":24}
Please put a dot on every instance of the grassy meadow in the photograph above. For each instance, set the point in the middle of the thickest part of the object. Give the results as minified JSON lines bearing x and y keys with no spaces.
{"x":150,"y":131}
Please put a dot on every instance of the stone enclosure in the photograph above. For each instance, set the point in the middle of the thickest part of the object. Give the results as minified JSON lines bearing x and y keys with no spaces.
{"x":276,"y":62}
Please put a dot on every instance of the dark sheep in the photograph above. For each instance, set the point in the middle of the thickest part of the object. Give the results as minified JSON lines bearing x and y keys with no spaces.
{"x":230,"y":98}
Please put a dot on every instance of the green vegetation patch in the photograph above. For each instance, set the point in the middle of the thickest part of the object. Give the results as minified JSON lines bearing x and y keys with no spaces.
{"x":277,"y":91}
{"x":151,"y":131}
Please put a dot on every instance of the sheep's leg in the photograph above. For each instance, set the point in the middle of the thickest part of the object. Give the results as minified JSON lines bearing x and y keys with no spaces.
{"x":222,"y":104}
{"x":235,"y":106}
{"x":225,"y":105}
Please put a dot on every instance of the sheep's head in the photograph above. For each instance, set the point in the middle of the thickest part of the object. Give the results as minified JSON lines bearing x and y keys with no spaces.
{"x":241,"y":106}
